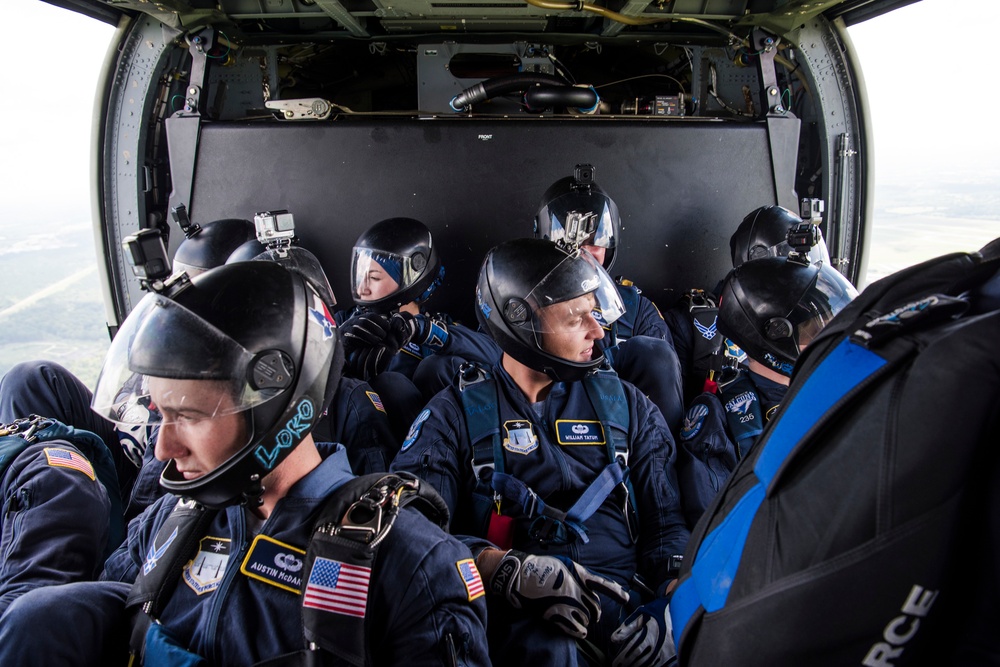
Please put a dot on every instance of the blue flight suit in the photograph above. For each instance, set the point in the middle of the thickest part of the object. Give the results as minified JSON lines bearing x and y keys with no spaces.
{"x":641,"y":350}
{"x":55,"y":523}
{"x":45,"y":388}
{"x":710,"y":446}
{"x":439,"y":452}
{"x":238,"y":604}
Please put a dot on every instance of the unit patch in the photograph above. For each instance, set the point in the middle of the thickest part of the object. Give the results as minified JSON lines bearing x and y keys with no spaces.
{"x":203,"y":573}
{"x":64,"y":458}
{"x":376,"y":400}
{"x":470,"y":577}
{"x":521,"y":438}
{"x":579,"y":432}
{"x":274,"y":563}
{"x":741,"y":403}
{"x":693,"y":421}
{"x":414,"y":432}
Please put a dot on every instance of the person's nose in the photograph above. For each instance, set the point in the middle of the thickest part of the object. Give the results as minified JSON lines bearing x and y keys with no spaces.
{"x":168,"y":444}
{"x":595,"y":331}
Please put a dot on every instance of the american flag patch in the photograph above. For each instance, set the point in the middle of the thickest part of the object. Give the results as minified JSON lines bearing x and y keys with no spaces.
{"x":376,"y":400}
{"x":470,"y":577}
{"x":63,"y":458}
{"x":338,"y":587}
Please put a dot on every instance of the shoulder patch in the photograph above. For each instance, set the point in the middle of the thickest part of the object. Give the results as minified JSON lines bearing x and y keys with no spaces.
{"x":204,"y":572}
{"x":693,"y":421}
{"x":376,"y":400}
{"x":274,"y":563}
{"x":415,"y":427}
{"x":521,"y":438}
{"x":469,"y":573}
{"x":64,"y":458}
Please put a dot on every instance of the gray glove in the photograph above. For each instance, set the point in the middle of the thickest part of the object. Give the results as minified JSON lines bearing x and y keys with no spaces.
{"x":645,"y":639}
{"x":555,"y":587}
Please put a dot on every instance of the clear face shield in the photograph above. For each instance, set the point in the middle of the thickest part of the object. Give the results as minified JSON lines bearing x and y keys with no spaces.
{"x":571,"y":306}
{"x":376,"y":274}
{"x":183,"y":368}
{"x":579,"y":220}
{"x":828,"y":296}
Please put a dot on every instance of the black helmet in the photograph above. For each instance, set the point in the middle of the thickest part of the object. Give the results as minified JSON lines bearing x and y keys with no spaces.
{"x":212,"y":244}
{"x":521,"y":279}
{"x":764,"y":233}
{"x":577,"y":211}
{"x":260,"y":332}
{"x":773,"y":307}
{"x":402,"y":250}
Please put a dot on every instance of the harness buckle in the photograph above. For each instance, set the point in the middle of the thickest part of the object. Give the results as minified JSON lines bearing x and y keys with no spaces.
{"x":550,"y":530}
{"x":371,"y":515}
{"x":26,"y":427}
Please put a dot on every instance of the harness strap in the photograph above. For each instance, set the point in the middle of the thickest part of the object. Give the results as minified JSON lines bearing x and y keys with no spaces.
{"x":847,"y":371}
{"x":352,"y":525}
{"x":171,"y":548}
{"x":479,"y":393}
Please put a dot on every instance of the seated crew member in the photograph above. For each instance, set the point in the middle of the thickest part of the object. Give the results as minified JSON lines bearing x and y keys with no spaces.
{"x":395,"y":269}
{"x":231,"y":566}
{"x":771,"y":308}
{"x":560,"y":476}
{"x":58,"y":522}
{"x":693,"y":319}
{"x":576,"y":210}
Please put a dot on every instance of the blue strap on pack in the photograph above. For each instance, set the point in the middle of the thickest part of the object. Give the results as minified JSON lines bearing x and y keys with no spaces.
{"x":844,"y":371}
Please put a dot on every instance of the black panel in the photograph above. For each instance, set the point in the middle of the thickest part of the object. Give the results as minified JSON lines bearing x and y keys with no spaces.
{"x":477,"y":183}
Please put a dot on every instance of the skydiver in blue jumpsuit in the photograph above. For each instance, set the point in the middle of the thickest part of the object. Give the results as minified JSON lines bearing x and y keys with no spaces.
{"x":56,"y":521}
{"x":564,"y":585}
{"x":576,"y":210}
{"x":408,"y":354}
{"x":239,"y":388}
{"x":771,"y":308}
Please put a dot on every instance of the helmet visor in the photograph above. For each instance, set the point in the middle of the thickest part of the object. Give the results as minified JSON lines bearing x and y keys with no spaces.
{"x":570,"y":306}
{"x":184,"y":368}
{"x":820,"y":304}
{"x":377,"y":275}
{"x":582,"y":219}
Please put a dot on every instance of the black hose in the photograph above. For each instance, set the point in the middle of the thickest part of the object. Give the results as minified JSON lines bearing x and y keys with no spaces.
{"x":573,"y":97}
{"x":501,"y":85}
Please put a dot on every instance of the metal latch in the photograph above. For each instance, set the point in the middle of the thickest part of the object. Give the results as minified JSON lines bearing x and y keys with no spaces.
{"x":307,"y":108}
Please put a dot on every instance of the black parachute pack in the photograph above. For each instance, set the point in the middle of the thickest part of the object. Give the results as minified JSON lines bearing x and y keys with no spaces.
{"x":863,"y":527}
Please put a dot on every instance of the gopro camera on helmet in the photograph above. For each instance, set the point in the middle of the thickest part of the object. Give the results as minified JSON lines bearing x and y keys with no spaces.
{"x":147,"y":253}
{"x":274,"y":228}
{"x":583,"y":174}
{"x":802,"y":237}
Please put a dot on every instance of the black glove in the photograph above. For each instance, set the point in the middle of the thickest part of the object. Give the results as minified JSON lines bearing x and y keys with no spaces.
{"x":424,"y":330}
{"x":562,"y":591}
{"x":369,"y":344}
